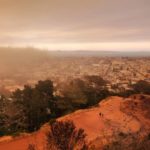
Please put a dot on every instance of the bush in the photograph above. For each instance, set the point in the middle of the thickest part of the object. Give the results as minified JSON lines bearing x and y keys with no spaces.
{"x":65,"y":136}
{"x":129,"y":142}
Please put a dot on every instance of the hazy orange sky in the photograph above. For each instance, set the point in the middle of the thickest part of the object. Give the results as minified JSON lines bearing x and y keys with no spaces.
{"x":76,"y":24}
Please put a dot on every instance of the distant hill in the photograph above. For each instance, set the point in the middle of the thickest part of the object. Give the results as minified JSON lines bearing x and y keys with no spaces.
{"x":33,"y":53}
{"x":100,"y":53}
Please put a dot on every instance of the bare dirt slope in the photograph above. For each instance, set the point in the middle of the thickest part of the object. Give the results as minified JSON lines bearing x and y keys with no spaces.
{"x":112,"y":115}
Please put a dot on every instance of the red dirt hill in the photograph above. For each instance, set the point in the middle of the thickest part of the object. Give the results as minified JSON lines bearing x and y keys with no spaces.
{"x":113,"y":114}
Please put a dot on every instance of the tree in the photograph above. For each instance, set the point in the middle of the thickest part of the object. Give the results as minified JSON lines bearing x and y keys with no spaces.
{"x":95,"y":81}
{"x":45,"y":88}
{"x":3,"y":117}
{"x":73,"y":92}
{"x":65,"y":136}
{"x":95,"y":89}
{"x":84,"y":92}
{"x":35,"y":104}
{"x":141,"y":87}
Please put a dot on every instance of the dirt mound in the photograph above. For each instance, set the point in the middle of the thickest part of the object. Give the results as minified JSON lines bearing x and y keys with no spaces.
{"x":114,"y":114}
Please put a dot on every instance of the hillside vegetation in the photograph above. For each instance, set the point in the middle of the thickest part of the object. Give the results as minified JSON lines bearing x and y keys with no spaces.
{"x":116,"y":122}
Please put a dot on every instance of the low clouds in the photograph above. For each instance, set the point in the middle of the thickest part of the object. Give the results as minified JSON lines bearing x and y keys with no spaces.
{"x":66,"y":24}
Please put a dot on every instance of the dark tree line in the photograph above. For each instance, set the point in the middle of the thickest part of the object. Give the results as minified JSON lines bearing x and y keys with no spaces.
{"x":27,"y":109}
{"x":141,"y":87}
{"x":81,"y":93}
